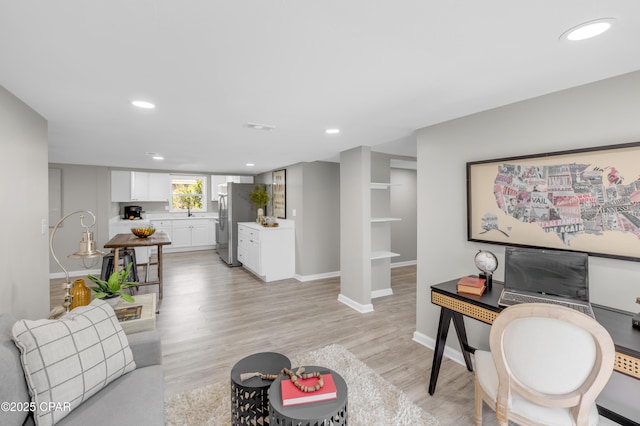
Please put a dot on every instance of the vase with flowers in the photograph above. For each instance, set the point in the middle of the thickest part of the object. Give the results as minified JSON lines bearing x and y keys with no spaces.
{"x":260,"y":197}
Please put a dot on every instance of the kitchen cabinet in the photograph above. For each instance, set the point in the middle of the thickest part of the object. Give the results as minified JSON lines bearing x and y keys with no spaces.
{"x":159,"y":187}
{"x":217,"y":180}
{"x":127,"y":186}
{"x":188,"y":234}
{"x":269,"y":253}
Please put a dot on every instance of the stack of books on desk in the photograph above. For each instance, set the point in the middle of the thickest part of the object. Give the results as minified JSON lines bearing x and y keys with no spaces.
{"x":471,"y":285}
{"x":291,"y":395}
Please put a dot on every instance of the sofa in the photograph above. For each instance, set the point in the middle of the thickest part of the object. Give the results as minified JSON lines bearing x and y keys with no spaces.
{"x":135,"y":398}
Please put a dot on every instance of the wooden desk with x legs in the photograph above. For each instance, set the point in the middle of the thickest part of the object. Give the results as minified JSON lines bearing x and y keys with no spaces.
{"x":485,"y":308}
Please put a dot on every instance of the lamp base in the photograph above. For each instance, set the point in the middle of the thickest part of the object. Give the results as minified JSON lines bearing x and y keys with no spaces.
{"x":68,"y":298}
{"x":57,"y":312}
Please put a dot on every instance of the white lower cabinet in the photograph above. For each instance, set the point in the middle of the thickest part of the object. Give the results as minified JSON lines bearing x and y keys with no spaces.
{"x":267,"y":252}
{"x":188,"y":234}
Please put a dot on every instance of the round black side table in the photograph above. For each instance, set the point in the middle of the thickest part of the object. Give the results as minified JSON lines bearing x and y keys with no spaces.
{"x":250,"y":399}
{"x":332,"y":412}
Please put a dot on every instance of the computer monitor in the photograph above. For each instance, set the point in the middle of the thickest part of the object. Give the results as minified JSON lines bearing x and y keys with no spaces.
{"x":546,"y":271}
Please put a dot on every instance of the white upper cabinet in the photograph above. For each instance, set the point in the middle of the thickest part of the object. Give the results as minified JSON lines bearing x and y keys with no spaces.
{"x":139,"y":186}
{"x":218,"y":180}
{"x":159,"y":187}
{"x":129,"y":186}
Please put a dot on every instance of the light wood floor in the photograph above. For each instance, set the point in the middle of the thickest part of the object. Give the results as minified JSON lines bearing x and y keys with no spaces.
{"x":212,"y":315}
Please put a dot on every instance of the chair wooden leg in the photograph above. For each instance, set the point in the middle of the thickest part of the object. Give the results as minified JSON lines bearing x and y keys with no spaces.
{"x":478,"y":402}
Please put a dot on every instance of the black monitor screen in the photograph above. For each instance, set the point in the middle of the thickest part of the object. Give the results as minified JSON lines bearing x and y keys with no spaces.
{"x":554,"y":272}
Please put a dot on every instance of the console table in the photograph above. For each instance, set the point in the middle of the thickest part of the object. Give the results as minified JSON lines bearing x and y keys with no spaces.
{"x":485,"y":308}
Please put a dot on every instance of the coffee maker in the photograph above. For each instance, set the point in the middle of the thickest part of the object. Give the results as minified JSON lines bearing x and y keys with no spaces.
{"x":132,"y":212}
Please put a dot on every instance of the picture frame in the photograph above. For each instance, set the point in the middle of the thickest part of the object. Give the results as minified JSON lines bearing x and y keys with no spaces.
{"x":280,"y":193}
{"x":585,"y":200}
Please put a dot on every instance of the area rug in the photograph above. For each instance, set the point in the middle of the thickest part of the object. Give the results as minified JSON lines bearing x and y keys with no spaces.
{"x":372,"y":400}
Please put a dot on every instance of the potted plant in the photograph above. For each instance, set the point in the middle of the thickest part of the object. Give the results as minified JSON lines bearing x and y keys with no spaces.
{"x":260,"y":197}
{"x":114,"y":287}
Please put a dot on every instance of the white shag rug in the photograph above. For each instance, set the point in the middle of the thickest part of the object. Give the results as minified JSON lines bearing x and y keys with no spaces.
{"x":372,"y":400}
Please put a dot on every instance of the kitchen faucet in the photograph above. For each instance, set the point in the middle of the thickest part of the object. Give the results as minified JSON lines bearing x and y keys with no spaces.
{"x":189,"y":214}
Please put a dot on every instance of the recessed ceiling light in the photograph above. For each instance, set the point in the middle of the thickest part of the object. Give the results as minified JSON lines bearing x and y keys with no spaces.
{"x":154,"y":155}
{"x":143,"y":104}
{"x":250,"y":164}
{"x":257,"y":126}
{"x":332,"y":131}
{"x":588,"y":29}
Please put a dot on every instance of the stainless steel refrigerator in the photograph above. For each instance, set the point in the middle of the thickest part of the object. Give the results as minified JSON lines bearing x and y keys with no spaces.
{"x":234,"y":206}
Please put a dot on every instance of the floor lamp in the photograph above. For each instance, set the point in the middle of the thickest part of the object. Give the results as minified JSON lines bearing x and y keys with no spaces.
{"x":87,"y":250}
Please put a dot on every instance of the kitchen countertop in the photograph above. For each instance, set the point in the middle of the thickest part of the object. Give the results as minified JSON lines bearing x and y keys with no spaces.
{"x":148,"y":218}
{"x":282,"y":224}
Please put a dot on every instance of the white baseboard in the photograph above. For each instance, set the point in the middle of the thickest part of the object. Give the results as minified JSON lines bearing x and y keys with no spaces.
{"x":401,"y":264}
{"x":304,"y":278}
{"x":381,"y":293}
{"x":430,"y":343}
{"x":81,"y":273}
{"x":363,"y":309}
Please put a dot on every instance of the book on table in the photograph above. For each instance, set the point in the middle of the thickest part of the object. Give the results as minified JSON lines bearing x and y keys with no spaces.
{"x":129,"y":313}
{"x":291,"y":395}
{"x":471,"y":285}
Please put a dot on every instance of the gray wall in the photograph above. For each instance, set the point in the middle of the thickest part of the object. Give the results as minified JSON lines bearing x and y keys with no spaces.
{"x":83,"y":188}
{"x":313,"y":191}
{"x":319,"y":250}
{"x":404,"y":205}
{"x":601,"y":113}
{"x":24,"y":289}
{"x":355,"y":235}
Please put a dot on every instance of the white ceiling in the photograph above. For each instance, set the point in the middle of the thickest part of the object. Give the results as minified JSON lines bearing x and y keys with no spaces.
{"x":376,"y":69}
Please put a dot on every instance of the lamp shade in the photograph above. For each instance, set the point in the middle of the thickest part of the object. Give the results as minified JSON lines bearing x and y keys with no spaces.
{"x":87,"y":247}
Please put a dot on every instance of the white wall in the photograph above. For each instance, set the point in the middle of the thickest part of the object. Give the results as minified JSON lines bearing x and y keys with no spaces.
{"x":24,"y":261}
{"x":601,"y":113}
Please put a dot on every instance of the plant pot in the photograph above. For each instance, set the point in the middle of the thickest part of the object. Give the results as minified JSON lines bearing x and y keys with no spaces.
{"x":112,"y":301}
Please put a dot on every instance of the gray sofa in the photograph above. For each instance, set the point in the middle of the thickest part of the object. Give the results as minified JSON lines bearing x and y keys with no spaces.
{"x":137,"y":398}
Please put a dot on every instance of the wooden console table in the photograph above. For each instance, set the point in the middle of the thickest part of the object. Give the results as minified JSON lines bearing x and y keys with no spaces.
{"x":158,"y":239}
{"x":485,"y":308}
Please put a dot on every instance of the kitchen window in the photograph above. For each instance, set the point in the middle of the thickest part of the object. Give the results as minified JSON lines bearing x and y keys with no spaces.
{"x":188,"y":193}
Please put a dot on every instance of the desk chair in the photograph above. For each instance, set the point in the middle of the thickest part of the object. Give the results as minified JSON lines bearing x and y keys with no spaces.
{"x":546,"y":367}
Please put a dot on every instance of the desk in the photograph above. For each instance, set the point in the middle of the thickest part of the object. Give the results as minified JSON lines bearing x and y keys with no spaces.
{"x":485,"y":309}
{"x":158,"y":239}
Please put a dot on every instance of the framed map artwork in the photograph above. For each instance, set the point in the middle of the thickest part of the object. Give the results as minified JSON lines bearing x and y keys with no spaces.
{"x":584,"y":200}
{"x":280,"y":194}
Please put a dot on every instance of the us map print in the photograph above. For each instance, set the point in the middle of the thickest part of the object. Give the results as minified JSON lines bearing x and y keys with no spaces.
{"x":567,"y":200}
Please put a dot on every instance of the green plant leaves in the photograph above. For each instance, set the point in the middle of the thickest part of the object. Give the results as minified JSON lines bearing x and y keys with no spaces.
{"x":114,"y":285}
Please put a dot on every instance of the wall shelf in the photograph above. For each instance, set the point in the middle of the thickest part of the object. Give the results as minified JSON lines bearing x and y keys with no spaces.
{"x":382,"y":185}
{"x":385,"y":219}
{"x":380,"y":254}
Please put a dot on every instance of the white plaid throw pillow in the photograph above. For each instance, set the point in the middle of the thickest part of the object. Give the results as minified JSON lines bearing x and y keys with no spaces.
{"x":68,"y":360}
